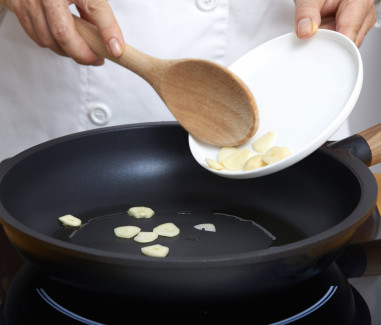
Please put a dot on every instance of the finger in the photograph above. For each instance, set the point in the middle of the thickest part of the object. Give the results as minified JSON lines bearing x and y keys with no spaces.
{"x":33,"y":21}
{"x":328,"y":22}
{"x":62,"y":28}
{"x":42,"y":31}
{"x":349,"y":19}
{"x":367,"y":25}
{"x":307,"y":17}
{"x":8,"y":5}
{"x":355,"y":18}
{"x":19,"y":8}
{"x":101,"y":15}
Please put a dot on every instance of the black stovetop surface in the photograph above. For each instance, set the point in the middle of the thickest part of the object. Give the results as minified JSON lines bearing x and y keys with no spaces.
{"x":326,"y":299}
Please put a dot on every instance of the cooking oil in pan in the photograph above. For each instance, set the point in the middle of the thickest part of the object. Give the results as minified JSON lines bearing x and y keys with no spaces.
{"x":238,"y":230}
{"x":279,"y":230}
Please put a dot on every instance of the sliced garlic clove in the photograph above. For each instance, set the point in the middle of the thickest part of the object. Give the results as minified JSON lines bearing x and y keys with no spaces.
{"x":69,"y":220}
{"x":224,"y":153}
{"x":167,"y":229}
{"x":213,"y":164}
{"x":264,"y":143}
{"x":140,"y":212}
{"x":275,"y":154}
{"x":206,"y":227}
{"x":155,"y":250}
{"x":145,"y":237}
{"x":237,"y":160}
{"x":126,"y":231}
{"x":255,"y":162}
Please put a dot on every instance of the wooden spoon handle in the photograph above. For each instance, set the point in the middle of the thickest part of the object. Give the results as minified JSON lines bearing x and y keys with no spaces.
{"x":142,"y":64}
{"x":373,"y":137}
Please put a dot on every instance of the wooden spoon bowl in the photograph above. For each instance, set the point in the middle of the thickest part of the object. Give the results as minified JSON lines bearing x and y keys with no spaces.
{"x":209,"y":102}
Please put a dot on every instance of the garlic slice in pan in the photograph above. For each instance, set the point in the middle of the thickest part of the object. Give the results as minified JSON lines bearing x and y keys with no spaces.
{"x":126,"y":231}
{"x":155,"y":250}
{"x":206,"y":227}
{"x":167,"y":229}
{"x":140,"y":212}
{"x":145,"y":237}
{"x":69,"y":220}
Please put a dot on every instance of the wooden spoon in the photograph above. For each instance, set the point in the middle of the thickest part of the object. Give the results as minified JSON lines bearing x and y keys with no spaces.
{"x":207,"y":99}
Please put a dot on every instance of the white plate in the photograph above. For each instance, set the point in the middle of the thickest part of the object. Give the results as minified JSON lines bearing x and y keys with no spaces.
{"x":304,"y":89}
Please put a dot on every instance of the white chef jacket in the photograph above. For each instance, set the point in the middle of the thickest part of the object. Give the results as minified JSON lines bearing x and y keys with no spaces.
{"x":44,"y":96}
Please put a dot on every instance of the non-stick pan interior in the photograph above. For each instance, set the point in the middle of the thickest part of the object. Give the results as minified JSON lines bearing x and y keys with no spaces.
{"x":96,"y":176}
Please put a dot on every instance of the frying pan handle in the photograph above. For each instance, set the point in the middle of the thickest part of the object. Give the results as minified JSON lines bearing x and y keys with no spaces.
{"x":361,"y":259}
{"x":365,"y":145}
{"x":373,"y":137}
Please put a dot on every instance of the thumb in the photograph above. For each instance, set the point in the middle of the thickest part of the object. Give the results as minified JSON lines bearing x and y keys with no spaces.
{"x":307,"y":17}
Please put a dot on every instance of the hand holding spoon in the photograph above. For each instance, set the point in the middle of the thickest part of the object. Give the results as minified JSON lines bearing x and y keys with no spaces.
{"x":207,"y":99}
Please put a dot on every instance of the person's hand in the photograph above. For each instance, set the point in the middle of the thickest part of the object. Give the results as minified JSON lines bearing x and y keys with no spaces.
{"x":50,"y":24}
{"x":353,"y":18}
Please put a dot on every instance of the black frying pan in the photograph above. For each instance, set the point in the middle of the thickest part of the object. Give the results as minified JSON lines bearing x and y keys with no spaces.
{"x":271,"y":232}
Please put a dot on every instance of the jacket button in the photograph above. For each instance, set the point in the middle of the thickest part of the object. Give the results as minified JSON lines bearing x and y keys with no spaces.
{"x":207,"y":5}
{"x":100,"y":114}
